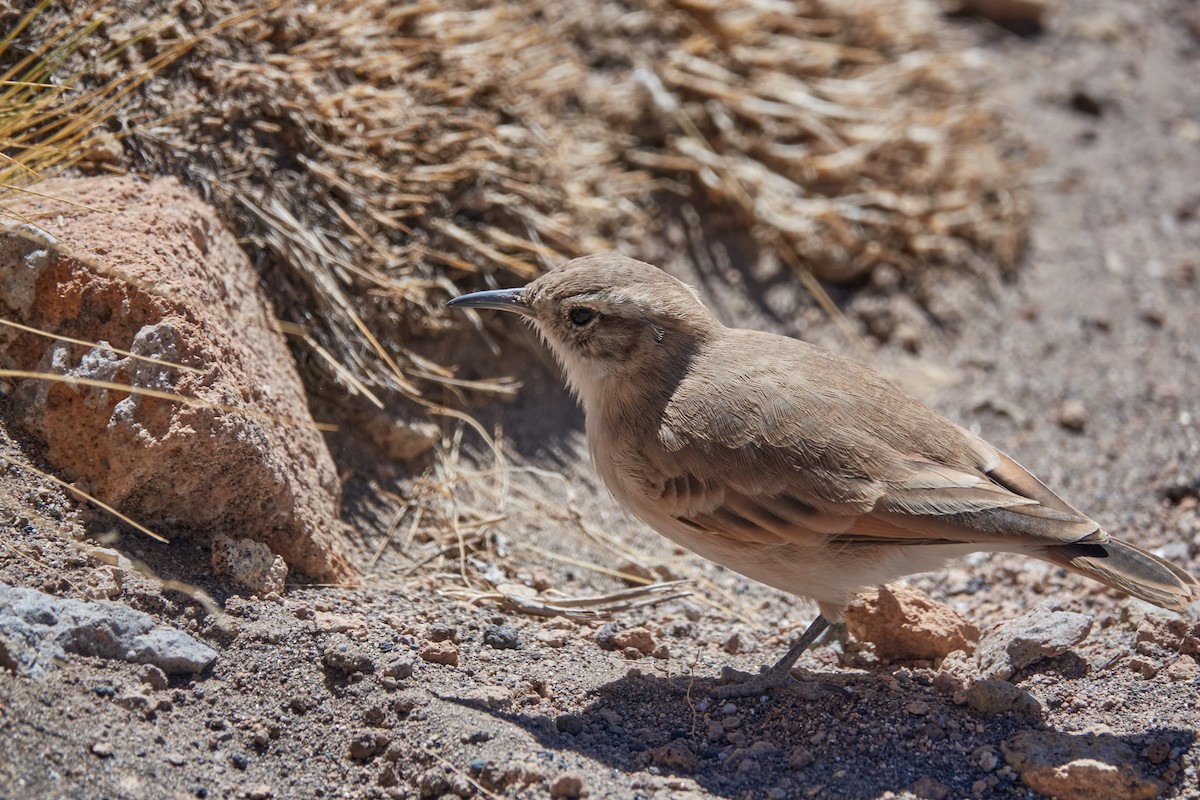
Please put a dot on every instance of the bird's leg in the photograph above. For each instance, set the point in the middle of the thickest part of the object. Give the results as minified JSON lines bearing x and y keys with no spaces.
{"x":779,"y":674}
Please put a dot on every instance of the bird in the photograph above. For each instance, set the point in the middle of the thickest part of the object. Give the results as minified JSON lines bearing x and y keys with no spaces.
{"x":797,"y":467}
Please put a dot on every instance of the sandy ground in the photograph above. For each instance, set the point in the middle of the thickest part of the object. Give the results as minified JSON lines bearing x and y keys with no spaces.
{"x":1086,"y":368}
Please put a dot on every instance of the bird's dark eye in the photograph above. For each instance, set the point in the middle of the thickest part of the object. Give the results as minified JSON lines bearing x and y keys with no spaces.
{"x":581,"y":315}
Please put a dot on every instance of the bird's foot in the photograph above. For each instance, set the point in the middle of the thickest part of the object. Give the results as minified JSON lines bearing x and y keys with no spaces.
{"x":744,"y":684}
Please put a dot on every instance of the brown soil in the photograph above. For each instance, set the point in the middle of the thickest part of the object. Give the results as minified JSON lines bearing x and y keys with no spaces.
{"x":310,"y":696}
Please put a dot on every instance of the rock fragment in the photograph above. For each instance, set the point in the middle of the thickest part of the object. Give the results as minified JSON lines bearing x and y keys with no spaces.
{"x":904,"y":623}
{"x":639,"y":638}
{"x":148,"y":273}
{"x":444,"y":652}
{"x":676,"y":756}
{"x":568,"y":786}
{"x":929,"y":788}
{"x":397,"y":668}
{"x":1042,"y":633}
{"x":348,"y":658}
{"x":1072,"y":416}
{"x":997,"y":697}
{"x":501,"y":637}
{"x":1183,"y":668}
{"x":249,"y":564}
{"x":1072,"y":767}
{"x":367,"y":744}
{"x":36,"y":629}
{"x":153,"y":677}
{"x":734,"y":644}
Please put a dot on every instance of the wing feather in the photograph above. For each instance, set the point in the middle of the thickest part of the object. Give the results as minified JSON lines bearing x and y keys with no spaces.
{"x":769,"y":456}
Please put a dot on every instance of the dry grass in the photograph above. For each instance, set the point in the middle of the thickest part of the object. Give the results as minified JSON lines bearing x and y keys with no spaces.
{"x":55,"y":107}
{"x":473,"y":532}
{"x":381,"y":157}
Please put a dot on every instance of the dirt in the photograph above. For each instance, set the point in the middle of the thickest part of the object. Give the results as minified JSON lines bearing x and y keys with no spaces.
{"x":1086,"y":368}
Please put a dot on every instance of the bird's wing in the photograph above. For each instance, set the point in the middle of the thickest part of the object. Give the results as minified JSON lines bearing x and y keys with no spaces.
{"x":973,"y":509}
{"x":850,"y":462}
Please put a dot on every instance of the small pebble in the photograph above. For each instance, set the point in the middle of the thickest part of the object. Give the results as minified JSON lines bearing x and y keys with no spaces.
{"x":611,"y":717}
{"x":501,"y":637}
{"x":929,"y":788}
{"x":918,"y":707}
{"x":153,"y":677}
{"x":986,"y":758}
{"x":444,"y":652}
{"x":552,"y":638}
{"x":374,"y":715}
{"x":443,"y":633}
{"x":569,"y":723}
{"x":568,"y":786}
{"x":997,"y":697}
{"x":1142,"y":666}
{"x":676,"y":756}
{"x":1158,"y":751}
{"x":347,"y":657}
{"x":259,"y":736}
{"x":606,"y":635}
{"x":638,"y":638}
{"x":1032,"y":637}
{"x":1072,"y":415}
{"x":1184,"y":668}
{"x":368,"y":743}
{"x":398,"y":667}
{"x":800,"y":757}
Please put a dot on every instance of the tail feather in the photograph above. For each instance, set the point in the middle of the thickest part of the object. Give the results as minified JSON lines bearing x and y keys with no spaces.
{"x":1129,"y":569}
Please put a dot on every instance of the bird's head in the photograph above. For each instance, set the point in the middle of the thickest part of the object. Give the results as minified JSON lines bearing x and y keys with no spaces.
{"x":607,"y":316}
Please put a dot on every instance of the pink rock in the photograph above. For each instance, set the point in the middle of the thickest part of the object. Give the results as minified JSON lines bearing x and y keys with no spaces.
{"x":1072,"y":767}
{"x":147,"y":267}
{"x":906,"y":624}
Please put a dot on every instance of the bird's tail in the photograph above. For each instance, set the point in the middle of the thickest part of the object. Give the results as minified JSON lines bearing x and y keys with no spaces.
{"x":1129,"y":569}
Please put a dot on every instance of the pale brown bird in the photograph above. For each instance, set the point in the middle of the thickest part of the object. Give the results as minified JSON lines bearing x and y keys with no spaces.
{"x":794,"y":466}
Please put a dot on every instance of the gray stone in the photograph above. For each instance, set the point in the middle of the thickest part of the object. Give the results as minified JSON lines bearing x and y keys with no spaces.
{"x":501,"y":637}
{"x":1042,"y":633}
{"x":346,"y":657}
{"x":996,"y":697}
{"x":36,"y":629}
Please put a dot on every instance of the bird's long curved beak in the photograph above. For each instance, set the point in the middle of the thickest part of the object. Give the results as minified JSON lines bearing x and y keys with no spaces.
{"x":499,"y":299}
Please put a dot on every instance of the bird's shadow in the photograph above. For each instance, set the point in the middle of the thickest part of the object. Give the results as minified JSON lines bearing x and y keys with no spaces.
{"x":881,"y":736}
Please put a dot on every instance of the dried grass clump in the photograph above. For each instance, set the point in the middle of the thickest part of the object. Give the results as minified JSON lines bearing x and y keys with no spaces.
{"x":382,"y":156}
{"x":852,"y":132}
{"x":48,"y":119}
{"x":483,"y":533}
{"x":54,"y":106}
